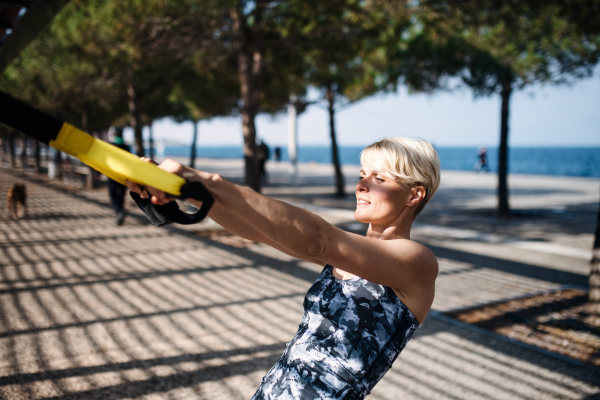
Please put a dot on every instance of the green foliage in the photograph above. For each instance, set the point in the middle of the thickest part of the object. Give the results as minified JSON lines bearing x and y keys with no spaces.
{"x":498,"y":46}
{"x":200,"y":95}
{"x":95,"y":52}
{"x":55,"y":80}
{"x":341,"y":45}
{"x":517,"y":42}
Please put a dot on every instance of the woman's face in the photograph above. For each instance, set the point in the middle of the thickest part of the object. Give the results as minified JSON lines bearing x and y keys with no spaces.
{"x":380,"y":198}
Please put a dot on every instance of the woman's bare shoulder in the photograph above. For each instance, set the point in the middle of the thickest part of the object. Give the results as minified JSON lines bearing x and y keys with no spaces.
{"x":418,"y":253}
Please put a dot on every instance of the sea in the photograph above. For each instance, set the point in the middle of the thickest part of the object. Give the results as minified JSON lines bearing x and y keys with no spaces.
{"x":559,"y":161}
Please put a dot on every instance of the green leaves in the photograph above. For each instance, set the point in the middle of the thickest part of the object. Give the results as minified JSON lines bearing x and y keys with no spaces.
{"x":523,"y":42}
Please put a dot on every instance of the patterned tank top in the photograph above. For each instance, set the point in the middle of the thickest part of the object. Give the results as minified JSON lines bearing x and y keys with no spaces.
{"x":351,"y":333}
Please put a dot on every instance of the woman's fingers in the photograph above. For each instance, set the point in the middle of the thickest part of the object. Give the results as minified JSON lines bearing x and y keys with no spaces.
{"x":134,"y":187}
{"x":137,"y":188}
{"x":157,"y":196}
{"x":171,"y":166}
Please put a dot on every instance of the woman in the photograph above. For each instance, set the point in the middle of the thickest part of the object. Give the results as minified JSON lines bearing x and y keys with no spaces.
{"x":373,"y":292}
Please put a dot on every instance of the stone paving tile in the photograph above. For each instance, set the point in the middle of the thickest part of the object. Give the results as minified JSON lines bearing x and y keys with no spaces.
{"x":460,"y":285}
{"x":89,"y":310}
{"x":450,"y":362}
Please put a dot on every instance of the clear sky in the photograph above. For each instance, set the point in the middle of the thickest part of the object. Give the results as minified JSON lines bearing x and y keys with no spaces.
{"x":539,"y":116}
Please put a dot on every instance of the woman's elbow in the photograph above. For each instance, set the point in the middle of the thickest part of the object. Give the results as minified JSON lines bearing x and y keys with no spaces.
{"x":325,"y":243}
{"x":316,"y":248}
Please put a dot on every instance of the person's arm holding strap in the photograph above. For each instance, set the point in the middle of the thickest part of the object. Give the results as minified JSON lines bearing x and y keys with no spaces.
{"x":224,"y":215}
{"x":401,"y":264}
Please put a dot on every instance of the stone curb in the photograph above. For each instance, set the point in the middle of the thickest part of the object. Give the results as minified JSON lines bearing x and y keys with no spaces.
{"x":441,"y":317}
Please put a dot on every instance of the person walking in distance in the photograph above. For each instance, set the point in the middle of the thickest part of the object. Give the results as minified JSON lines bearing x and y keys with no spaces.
{"x":277,"y":154}
{"x":263,"y":155}
{"x":116,"y":190}
{"x":482,"y":160}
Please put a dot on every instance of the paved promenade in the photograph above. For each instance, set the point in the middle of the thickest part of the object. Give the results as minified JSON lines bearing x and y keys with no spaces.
{"x":89,"y":310}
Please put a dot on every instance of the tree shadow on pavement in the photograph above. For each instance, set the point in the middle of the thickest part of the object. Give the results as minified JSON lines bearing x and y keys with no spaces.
{"x":140,"y":315}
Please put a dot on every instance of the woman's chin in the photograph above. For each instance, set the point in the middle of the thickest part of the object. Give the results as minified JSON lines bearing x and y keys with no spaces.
{"x":359,"y":217}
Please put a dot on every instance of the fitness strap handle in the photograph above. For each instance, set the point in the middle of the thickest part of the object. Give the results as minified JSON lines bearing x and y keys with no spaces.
{"x":113,"y":162}
{"x":170,"y":212}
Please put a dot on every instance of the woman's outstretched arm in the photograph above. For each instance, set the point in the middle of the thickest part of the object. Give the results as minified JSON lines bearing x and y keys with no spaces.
{"x":401,"y":264}
{"x":221,"y":213}
{"x":230,"y":221}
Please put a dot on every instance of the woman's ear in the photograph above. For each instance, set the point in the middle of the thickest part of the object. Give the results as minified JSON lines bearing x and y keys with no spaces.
{"x":417,"y":195}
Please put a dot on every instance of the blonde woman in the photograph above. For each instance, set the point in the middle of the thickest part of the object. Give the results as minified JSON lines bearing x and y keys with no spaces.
{"x":373,"y":292}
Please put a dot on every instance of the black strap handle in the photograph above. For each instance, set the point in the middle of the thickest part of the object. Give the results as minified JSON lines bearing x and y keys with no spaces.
{"x":170,"y":212}
{"x":24,"y":118}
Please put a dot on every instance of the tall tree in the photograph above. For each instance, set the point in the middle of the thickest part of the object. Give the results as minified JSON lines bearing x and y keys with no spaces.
{"x":136,"y":43}
{"x":507,"y":45}
{"x":250,"y":21}
{"x":7,"y":136}
{"x":71,"y":90}
{"x":266,"y":43}
{"x":343,"y":55}
{"x":594,"y":277}
{"x":110,"y":59}
{"x":204,"y":93}
{"x":499,"y":47}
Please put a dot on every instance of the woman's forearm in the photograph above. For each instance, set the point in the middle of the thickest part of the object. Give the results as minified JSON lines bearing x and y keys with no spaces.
{"x":261,"y":218}
{"x":223,"y":216}
{"x":290,"y":229}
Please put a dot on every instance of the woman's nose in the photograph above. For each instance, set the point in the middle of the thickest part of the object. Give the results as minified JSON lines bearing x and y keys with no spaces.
{"x":361,"y":186}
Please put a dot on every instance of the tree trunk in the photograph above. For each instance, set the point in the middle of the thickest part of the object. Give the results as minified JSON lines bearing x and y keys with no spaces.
{"x":252,"y":173}
{"x":11,"y":148}
{"x":250,"y":68}
{"x":23,"y":155}
{"x":36,"y":156}
{"x":339,"y":177}
{"x":193,"y":147}
{"x":503,"y":206}
{"x":594,"y":279}
{"x":5,"y":151}
{"x":292,"y":145}
{"x":150,"y":141}
{"x":135,"y":119}
{"x":58,"y":172}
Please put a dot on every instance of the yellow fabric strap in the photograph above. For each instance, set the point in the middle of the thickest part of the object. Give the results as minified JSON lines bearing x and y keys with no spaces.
{"x":114,"y":162}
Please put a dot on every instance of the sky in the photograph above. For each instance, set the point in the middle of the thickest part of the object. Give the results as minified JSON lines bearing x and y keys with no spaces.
{"x":539,"y":116}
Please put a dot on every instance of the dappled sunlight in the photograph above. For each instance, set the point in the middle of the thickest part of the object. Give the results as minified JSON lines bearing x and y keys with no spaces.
{"x":90,"y":310}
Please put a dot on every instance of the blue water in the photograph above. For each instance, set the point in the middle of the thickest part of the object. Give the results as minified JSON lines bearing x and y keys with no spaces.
{"x":570,"y":161}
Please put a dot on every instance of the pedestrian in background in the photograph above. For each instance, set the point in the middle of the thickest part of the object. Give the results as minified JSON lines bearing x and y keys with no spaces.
{"x":116,"y":190}
{"x":482,"y":160}
{"x":263,"y":156}
{"x":277,"y":154}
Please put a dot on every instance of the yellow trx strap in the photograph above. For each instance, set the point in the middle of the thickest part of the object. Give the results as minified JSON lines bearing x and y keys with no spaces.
{"x":114,"y":162}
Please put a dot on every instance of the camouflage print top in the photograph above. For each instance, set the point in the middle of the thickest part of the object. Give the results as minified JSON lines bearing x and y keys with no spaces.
{"x":351,"y":333}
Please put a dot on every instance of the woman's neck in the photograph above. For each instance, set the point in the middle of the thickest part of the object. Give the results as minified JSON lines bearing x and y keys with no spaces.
{"x":390,"y":232}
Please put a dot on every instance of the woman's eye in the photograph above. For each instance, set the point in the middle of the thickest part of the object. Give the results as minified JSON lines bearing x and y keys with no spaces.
{"x":360,"y":178}
{"x":380,"y":180}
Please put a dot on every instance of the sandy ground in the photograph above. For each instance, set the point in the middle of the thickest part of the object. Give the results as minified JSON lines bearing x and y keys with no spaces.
{"x":89,"y":310}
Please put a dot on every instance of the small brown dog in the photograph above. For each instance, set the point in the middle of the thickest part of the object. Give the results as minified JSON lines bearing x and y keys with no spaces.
{"x":16,"y":200}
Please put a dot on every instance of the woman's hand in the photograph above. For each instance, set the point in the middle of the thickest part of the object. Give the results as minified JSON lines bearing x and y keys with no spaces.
{"x":158,"y":197}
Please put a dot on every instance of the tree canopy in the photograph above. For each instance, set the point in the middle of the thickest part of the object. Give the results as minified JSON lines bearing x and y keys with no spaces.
{"x":106,"y":62}
{"x":497,"y":47}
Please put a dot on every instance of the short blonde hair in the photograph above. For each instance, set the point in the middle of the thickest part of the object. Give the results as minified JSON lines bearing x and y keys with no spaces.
{"x":411,"y":161}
